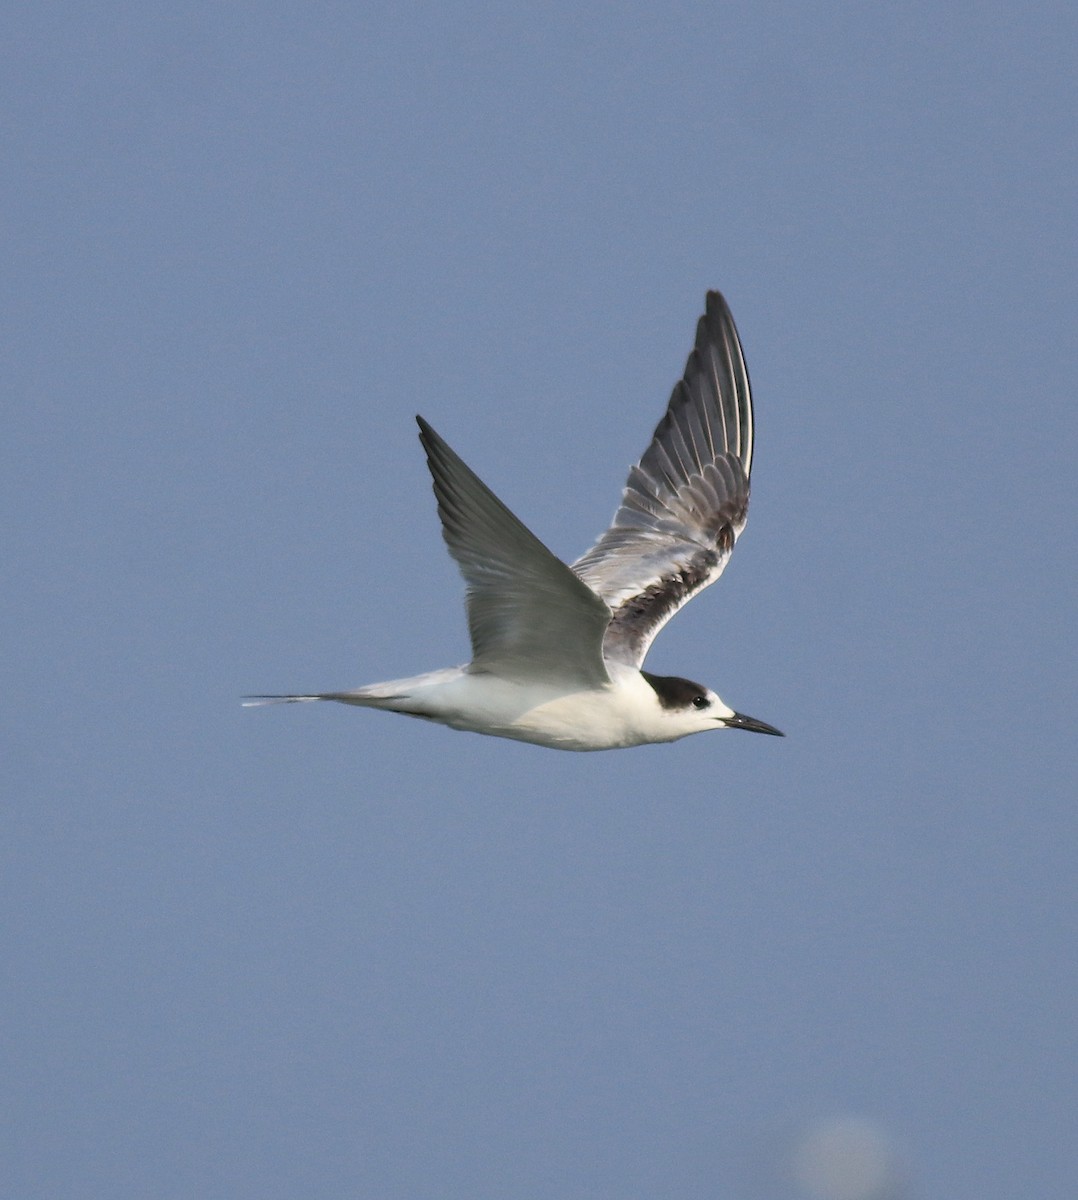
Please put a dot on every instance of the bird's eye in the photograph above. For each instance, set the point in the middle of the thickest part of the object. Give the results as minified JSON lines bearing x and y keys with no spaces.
{"x":700,"y":702}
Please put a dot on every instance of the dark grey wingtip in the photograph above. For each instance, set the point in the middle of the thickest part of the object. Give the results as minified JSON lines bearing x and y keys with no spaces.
{"x":715,"y":302}
{"x":438,"y":451}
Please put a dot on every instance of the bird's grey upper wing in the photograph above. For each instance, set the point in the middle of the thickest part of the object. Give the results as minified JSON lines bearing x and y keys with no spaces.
{"x":529,"y":615}
{"x":685,"y":502}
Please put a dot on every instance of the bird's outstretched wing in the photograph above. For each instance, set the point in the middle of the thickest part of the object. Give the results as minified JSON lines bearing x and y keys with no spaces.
{"x":685,"y":502}
{"x":529,"y":615}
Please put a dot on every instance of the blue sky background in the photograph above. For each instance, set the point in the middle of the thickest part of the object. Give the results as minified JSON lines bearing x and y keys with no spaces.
{"x":322,"y":952}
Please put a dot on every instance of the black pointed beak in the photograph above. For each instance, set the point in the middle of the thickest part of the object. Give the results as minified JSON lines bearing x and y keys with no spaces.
{"x":740,"y":721}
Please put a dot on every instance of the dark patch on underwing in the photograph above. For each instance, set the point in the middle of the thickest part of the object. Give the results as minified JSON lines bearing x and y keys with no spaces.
{"x":672,"y":591}
{"x":634,"y":620}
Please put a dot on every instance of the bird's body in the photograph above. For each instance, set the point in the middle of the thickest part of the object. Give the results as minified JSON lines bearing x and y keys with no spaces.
{"x":558,"y":650}
{"x":628,"y":711}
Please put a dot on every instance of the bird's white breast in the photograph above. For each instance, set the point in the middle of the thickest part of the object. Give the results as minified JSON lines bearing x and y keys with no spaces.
{"x":624,"y":713}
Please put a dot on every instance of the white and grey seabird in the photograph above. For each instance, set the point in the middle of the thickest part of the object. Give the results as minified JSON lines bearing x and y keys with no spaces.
{"x":557,"y":651}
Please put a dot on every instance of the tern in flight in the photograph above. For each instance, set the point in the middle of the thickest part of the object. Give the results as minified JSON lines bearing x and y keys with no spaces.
{"x":558,"y":651}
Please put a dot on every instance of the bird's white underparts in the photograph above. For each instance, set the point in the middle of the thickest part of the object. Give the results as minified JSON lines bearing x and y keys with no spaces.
{"x":557,"y":650}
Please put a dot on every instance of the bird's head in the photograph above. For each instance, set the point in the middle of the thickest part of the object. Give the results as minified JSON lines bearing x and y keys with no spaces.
{"x":688,"y":707}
